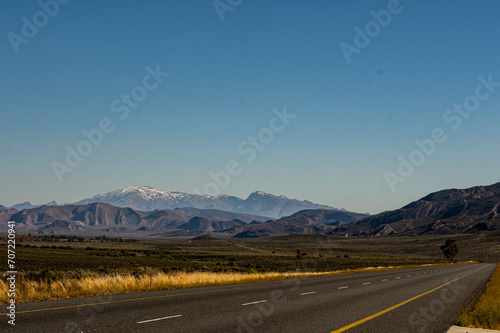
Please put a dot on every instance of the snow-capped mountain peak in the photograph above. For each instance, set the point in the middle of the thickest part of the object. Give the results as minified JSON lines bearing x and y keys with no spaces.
{"x":147,"y":198}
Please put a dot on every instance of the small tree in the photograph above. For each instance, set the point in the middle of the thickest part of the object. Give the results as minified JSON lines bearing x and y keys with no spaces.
{"x":450,"y":249}
{"x":299,"y":255}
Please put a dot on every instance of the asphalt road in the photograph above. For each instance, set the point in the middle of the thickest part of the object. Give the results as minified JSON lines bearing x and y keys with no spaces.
{"x":425,"y":299}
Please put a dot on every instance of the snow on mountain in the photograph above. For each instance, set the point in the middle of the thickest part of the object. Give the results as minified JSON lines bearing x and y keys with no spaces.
{"x":146,"y":198}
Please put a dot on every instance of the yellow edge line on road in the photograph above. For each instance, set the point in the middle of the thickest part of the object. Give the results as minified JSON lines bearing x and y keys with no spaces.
{"x":345,"y":328}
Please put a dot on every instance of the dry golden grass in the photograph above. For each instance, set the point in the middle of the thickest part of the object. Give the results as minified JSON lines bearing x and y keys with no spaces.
{"x":28,"y":290}
{"x":486,"y":312}
{"x":116,"y":284}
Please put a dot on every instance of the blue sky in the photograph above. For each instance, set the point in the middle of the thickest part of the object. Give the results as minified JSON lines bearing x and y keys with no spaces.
{"x":353,"y":120}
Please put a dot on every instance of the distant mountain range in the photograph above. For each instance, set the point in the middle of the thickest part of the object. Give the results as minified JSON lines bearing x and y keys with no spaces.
{"x":445,"y":212}
{"x":453,"y":211}
{"x":103,"y":218}
{"x":99,"y":218}
{"x":314,"y":221}
{"x":28,"y":205}
{"x":310,"y":221}
{"x":145,"y":198}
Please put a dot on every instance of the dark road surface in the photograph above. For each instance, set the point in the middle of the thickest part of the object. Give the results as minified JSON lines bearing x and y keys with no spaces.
{"x":426,"y":299}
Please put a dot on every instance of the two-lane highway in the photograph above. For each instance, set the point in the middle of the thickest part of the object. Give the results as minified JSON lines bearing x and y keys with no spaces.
{"x":424,"y":299}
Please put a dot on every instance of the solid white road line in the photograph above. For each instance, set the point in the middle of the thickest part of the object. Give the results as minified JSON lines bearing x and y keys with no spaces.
{"x":148,"y":321}
{"x":309,"y":293}
{"x":257,"y":302}
{"x":343,"y":287}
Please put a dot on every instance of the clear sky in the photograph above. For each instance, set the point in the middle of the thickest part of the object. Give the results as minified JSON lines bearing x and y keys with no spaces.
{"x":230,"y":66}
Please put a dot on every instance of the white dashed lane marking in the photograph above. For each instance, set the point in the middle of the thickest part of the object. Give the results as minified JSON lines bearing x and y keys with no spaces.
{"x":308,"y":293}
{"x":157,"y":319}
{"x":257,"y":302}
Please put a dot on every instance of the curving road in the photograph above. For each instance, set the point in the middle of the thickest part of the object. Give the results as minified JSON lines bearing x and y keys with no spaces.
{"x":425,"y":299}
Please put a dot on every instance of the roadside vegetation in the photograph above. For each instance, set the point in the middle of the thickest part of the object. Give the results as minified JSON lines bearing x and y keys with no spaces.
{"x":93,"y":285}
{"x":486,"y":312}
{"x":52,"y":267}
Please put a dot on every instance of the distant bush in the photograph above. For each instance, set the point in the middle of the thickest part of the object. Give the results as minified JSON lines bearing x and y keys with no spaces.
{"x":450,"y":249}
